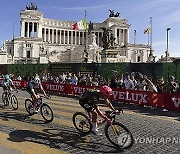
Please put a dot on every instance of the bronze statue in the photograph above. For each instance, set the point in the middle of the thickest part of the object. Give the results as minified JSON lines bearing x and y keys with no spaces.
{"x":117,"y":14}
{"x":112,"y":41}
{"x":108,"y":39}
{"x":112,"y":14}
{"x":31,"y":6}
{"x":90,"y":27}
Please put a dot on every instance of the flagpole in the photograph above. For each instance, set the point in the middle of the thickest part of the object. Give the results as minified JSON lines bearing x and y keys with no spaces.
{"x":85,"y":48}
{"x":148,"y":38}
{"x":134,"y":36}
{"x":13,"y":30}
{"x":151,"y":32}
{"x":85,"y":28}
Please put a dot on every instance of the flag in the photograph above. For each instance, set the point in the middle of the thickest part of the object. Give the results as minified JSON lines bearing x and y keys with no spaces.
{"x":80,"y":25}
{"x":147,"y":31}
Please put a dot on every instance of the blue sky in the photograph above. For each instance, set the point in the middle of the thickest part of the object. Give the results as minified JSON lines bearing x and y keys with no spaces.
{"x":164,"y":13}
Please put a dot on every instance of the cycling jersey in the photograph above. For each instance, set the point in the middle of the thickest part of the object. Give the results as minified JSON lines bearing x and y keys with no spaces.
{"x":89,"y":99}
{"x":7,"y":83}
{"x":31,"y":86}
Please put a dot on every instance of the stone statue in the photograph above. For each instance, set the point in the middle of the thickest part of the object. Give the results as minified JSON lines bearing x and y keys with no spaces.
{"x":90,"y":27}
{"x":32,"y":6}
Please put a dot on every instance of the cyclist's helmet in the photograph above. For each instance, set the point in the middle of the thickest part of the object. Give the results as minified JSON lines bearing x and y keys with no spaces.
{"x":106,"y":90}
{"x":37,"y":80}
{"x":6,"y":77}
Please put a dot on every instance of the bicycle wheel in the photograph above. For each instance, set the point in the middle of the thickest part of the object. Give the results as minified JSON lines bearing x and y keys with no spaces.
{"x":119,"y":135}
{"x":29,"y":106}
{"x":14,"y":102}
{"x":46,"y":113}
{"x":5,"y":99}
{"x":82,"y":122}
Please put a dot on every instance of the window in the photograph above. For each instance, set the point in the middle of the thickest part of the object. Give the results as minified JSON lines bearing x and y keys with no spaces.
{"x":28,"y":54}
{"x":138,"y":59}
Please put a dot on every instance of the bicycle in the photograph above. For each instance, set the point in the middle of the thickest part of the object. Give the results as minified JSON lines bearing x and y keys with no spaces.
{"x":8,"y":97}
{"x":117,"y":133}
{"x":46,"y":111}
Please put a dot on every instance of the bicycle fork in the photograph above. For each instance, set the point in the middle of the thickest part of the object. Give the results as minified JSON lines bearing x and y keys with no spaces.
{"x":115,"y":130}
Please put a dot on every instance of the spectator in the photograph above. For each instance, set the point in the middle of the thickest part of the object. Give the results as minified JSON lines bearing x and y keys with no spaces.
{"x":19,"y":78}
{"x":150,"y":86}
{"x":129,"y":83}
{"x":160,"y":85}
{"x":95,"y":82}
{"x":113,"y":83}
{"x":74,"y":79}
{"x":141,"y":84}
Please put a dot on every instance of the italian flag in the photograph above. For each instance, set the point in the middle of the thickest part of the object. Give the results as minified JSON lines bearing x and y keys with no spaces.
{"x":80,"y":25}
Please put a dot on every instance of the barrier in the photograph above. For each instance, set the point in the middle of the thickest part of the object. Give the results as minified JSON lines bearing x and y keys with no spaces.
{"x":162,"y":100}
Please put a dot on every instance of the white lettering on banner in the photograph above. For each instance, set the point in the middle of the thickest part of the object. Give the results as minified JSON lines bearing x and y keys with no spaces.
{"x":176,"y":101}
{"x":47,"y":86}
{"x":127,"y":98}
{"x":80,"y":90}
{"x":121,"y":95}
{"x":130,"y":96}
{"x":55,"y":87}
{"x":143,"y":100}
{"x":134,"y":99}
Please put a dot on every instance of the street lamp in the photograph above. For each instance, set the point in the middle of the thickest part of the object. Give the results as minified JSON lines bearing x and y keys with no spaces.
{"x":168,"y":29}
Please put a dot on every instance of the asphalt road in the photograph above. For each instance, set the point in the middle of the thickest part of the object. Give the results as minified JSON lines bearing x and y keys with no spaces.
{"x":154,"y":131}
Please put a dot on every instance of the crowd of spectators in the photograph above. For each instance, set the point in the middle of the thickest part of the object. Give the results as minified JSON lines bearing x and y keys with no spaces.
{"x":132,"y":81}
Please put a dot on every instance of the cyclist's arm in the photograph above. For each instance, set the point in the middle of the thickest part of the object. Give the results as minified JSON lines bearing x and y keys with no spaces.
{"x":41,"y":87}
{"x":100,"y":113}
{"x":108,"y":103}
{"x":12,"y":84}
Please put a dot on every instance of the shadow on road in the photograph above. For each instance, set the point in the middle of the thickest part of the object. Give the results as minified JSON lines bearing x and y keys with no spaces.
{"x":55,"y":138}
{"x":20,"y":117}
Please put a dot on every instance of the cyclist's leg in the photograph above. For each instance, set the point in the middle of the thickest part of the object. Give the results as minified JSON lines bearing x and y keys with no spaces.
{"x":94,"y":120}
{"x":35,"y":98}
{"x":5,"y":89}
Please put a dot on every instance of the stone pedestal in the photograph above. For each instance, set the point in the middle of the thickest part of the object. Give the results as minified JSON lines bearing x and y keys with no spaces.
{"x":109,"y":56}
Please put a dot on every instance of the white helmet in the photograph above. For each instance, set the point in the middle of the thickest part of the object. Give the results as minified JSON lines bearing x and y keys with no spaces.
{"x":37,"y":80}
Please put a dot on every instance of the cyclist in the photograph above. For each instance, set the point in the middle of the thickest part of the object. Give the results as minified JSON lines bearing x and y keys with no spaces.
{"x":33,"y":92}
{"x":7,"y":84}
{"x":89,"y":101}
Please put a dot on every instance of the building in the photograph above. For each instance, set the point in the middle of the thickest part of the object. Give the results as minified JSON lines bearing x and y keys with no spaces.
{"x":45,"y":40}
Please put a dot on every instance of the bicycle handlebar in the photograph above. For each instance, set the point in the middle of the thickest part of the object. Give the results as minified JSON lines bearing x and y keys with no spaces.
{"x":47,"y":97}
{"x":111,"y":113}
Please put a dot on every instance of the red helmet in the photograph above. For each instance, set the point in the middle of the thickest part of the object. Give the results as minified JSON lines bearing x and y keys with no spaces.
{"x":106,"y":90}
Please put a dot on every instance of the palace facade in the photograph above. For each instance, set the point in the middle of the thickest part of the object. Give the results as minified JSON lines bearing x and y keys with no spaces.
{"x":45,"y":40}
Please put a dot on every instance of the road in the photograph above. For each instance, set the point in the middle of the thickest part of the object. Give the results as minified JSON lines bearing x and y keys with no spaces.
{"x":21,"y":133}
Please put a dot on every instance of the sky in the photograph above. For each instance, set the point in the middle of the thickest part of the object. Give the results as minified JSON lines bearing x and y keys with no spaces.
{"x":165,"y":14}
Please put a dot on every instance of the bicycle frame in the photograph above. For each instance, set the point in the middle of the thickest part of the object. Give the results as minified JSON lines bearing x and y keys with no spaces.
{"x":110,"y":115}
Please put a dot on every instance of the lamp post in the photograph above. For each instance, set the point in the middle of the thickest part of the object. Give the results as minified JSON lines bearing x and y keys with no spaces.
{"x":168,"y":29}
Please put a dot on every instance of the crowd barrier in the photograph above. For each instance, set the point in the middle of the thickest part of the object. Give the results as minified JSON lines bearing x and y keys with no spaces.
{"x":162,"y":100}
